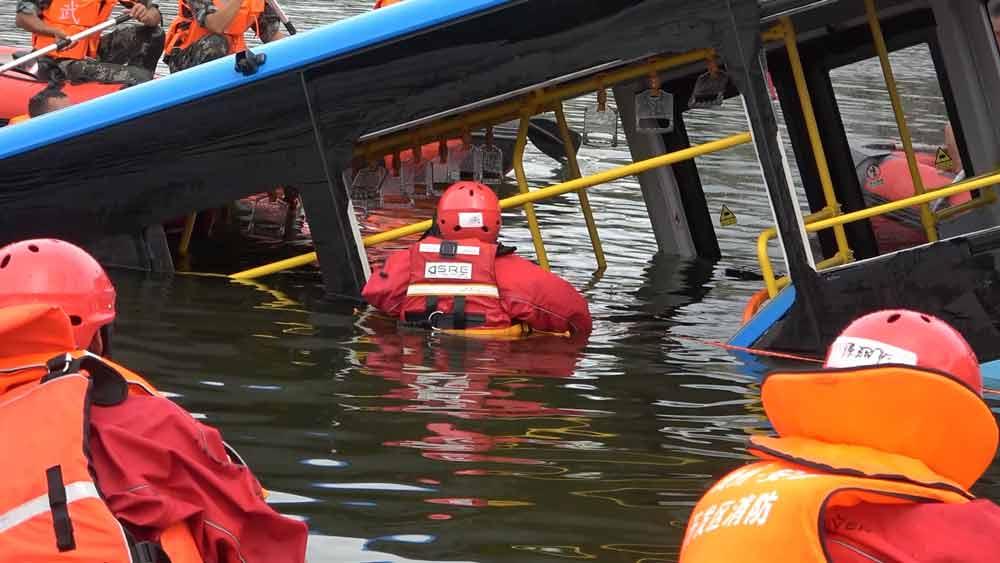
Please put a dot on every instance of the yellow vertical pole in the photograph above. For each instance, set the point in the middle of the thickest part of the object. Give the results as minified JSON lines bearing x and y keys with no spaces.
{"x":809,"y":115}
{"x":522,"y":186}
{"x":926,"y":216}
{"x":574,"y":170}
{"x":185,"y":244}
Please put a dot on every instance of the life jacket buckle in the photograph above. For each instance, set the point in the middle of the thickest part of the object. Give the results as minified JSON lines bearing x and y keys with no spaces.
{"x":150,"y":552}
{"x":448,"y":249}
{"x":430,"y":320}
{"x":59,"y":365}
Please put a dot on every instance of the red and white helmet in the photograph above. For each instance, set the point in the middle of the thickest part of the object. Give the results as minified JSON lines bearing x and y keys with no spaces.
{"x":468,"y":210}
{"x":900,"y":336}
{"x":55,"y":272}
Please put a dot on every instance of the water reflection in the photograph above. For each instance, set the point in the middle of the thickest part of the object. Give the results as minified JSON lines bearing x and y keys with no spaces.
{"x":467,"y":377}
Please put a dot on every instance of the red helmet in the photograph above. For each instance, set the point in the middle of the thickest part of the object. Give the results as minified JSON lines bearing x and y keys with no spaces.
{"x":468,"y":210}
{"x":906,"y":337}
{"x":55,"y":272}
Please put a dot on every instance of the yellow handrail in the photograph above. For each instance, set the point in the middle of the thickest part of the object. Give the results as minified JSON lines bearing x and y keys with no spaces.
{"x":766,"y":270}
{"x":374,"y":148}
{"x":834,"y":260}
{"x":520,"y":199}
{"x":926,"y":217}
{"x":987,"y":198}
{"x":184,"y":246}
{"x":574,"y":172}
{"x":812,"y":128}
{"x":522,"y":186}
{"x":961,"y":187}
{"x":976,"y":183}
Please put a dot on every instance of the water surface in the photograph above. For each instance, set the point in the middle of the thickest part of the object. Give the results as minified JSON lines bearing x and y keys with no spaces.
{"x":405,"y":447}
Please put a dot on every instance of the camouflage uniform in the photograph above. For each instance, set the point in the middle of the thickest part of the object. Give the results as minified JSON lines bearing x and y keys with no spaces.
{"x":128,"y":55}
{"x":215,"y":46}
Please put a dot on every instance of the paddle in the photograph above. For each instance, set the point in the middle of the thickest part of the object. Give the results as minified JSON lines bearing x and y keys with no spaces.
{"x":281,"y":16}
{"x":544,"y":134}
{"x":63,"y":43}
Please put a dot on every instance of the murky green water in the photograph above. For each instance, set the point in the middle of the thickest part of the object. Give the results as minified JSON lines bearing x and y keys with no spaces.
{"x":404,"y":447}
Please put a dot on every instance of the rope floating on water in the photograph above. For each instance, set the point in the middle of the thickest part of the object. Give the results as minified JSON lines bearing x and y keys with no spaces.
{"x":772,"y":354}
{"x":755,"y":351}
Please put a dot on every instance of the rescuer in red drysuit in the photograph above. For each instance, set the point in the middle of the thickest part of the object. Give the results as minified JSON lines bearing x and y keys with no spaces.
{"x":457,"y":277}
{"x":158,"y":469}
{"x":873,"y":459}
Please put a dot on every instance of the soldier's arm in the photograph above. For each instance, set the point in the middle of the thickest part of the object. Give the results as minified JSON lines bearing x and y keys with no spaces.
{"x":268,"y":26}
{"x":146,"y":13}
{"x":28,"y":20}
{"x":218,"y":20}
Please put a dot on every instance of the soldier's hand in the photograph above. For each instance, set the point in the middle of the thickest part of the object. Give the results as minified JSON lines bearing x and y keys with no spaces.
{"x":138,"y":11}
{"x":150,"y":17}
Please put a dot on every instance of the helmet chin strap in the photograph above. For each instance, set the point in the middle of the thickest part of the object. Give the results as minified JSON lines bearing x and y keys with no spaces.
{"x":103,"y":336}
{"x":96,"y":346}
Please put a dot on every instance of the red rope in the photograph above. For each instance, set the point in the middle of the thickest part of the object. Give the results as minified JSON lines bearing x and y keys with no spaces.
{"x":755,"y":351}
{"x":768,"y":353}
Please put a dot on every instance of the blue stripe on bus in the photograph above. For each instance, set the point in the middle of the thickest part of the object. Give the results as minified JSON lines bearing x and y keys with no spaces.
{"x":770,"y":313}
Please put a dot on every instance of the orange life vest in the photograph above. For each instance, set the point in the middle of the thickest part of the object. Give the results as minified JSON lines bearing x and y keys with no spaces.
{"x":776,"y":506}
{"x":384,"y":3}
{"x":72,"y":17}
{"x":53,"y":510}
{"x":184,"y":31}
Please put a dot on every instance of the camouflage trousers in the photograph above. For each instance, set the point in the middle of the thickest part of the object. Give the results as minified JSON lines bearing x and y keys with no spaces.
{"x":126,"y":56}
{"x":208,"y":48}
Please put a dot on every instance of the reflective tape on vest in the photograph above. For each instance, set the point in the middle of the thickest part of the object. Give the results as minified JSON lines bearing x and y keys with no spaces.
{"x":40,"y":504}
{"x":460,"y":249}
{"x":452,"y":289}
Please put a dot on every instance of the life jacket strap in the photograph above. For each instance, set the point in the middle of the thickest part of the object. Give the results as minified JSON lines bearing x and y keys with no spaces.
{"x":444,"y":321}
{"x":449,"y":249}
{"x":148,"y":552}
{"x":109,"y":387}
{"x":458,"y":316}
{"x":59,"y":508}
{"x":145,"y":551}
{"x":433,"y":319}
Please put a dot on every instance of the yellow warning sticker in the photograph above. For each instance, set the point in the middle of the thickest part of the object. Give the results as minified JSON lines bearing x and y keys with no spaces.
{"x":943,"y":161}
{"x":727,"y":218}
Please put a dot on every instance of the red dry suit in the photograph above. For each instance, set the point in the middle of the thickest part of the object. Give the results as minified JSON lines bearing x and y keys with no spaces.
{"x":913,"y":533}
{"x":157,"y":465}
{"x":524,"y":292}
{"x":154,"y":465}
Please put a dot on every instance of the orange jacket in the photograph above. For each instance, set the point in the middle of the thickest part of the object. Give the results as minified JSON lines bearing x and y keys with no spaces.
{"x":42,"y":388}
{"x":72,"y":17}
{"x":184,"y":31}
{"x":776,"y":506}
{"x":384,"y":3}
{"x":52,"y":510}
